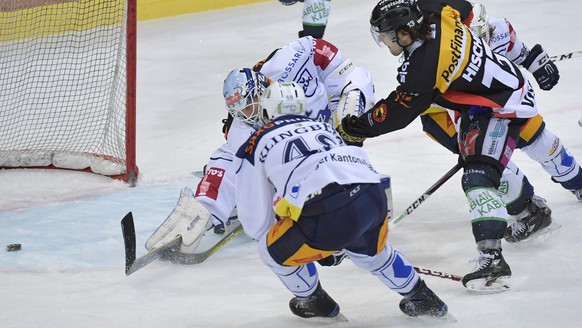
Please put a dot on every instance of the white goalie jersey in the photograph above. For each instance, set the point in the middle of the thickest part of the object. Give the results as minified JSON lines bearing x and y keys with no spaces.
{"x":323,"y":72}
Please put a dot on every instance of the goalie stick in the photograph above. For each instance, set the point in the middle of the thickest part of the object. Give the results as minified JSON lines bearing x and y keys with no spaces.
{"x":195,"y":258}
{"x":426,"y":194}
{"x":132,"y":264}
{"x":169,"y":252}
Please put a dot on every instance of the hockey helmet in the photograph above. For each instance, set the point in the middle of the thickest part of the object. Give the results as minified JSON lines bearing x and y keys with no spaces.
{"x":283,"y":98}
{"x":391,"y":15}
{"x":480,"y":22}
{"x":243,"y":87}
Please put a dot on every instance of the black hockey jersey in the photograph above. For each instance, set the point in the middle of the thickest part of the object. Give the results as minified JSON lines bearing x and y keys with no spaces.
{"x":454,"y":69}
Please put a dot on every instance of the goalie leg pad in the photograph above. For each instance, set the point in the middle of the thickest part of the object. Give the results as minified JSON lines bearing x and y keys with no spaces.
{"x":189,"y":219}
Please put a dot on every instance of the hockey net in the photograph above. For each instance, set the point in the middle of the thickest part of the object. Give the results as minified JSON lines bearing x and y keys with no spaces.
{"x":67,"y":85}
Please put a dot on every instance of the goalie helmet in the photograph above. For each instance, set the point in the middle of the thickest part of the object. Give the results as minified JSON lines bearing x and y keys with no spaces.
{"x":480,"y":22}
{"x":242,"y":88}
{"x":391,"y":15}
{"x":283,"y":98}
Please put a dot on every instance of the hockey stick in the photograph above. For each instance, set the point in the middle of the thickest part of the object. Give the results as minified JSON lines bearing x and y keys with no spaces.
{"x":426,"y":194}
{"x":195,"y":258}
{"x":169,"y":252}
{"x":439,"y":274}
{"x":569,"y":55}
{"x":132,"y":264}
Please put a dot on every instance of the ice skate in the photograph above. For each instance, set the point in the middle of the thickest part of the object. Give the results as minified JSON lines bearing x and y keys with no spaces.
{"x":316,"y":305}
{"x":231,"y":223}
{"x":537,"y":217}
{"x":578,"y":194}
{"x":490,"y":274}
{"x":423,"y":302}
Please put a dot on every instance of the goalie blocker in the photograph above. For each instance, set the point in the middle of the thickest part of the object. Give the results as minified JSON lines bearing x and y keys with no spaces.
{"x":189,"y":219}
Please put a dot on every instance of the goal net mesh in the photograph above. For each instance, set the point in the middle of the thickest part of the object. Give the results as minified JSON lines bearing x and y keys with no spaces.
{"x":63,"y":85}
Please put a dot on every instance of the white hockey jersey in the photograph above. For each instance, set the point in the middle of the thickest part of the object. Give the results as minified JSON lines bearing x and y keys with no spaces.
{"x":216,"y":190}
{"x":291,"y":158}
{"x":323,"y":72}
{"x":504,"y":41}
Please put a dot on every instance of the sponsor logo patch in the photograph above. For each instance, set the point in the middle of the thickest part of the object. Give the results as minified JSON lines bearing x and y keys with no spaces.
{"x":210,"y":183}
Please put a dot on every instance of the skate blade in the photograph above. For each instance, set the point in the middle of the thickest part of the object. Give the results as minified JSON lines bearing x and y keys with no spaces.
{"x":429,"y":318}
{"x":484,"y":286}
{"x":448,"y":317}
{"x":338,"y":318}
{"x":540,"y":236}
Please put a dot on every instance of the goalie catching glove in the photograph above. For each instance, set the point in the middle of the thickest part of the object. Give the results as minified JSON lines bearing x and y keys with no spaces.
{"x":543,"y":69}
{"x":189,"y":220}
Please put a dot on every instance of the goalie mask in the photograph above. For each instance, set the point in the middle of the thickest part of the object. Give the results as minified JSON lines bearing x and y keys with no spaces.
{"x":242,"y":89}
{"x":283,"y":98}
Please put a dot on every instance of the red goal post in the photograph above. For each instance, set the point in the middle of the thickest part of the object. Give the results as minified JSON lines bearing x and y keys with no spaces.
{"x":68,"y":86}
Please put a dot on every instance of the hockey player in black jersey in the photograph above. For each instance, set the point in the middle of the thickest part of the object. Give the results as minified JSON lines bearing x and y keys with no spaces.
{"x":447,"y":65}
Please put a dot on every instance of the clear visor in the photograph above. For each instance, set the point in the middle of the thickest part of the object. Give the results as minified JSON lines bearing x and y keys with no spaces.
{"x":382,"y":37}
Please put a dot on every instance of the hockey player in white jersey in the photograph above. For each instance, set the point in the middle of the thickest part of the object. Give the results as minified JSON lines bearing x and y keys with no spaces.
{"x":306,"y":195}
{"x":314,"y":17}
{"x":212,"y":203}
{"x":333,"y":86}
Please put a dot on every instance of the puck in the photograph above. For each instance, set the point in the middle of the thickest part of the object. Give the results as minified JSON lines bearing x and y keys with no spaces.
{"x":14,"y":247}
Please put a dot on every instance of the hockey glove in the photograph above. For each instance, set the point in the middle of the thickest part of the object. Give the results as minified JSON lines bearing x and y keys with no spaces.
{"x":351,"y":131}
{"x":543,"y":69}
{"x":227,"y":122}
{"x":333,"y":259}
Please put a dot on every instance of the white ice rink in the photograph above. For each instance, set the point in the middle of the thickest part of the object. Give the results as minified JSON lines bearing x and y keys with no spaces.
{"x":70,"y":270}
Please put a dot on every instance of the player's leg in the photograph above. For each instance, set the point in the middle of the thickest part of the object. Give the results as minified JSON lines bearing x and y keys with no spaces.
{"x":531,"y":213}
{"x":548,"y":150}
{"x":486,"y":144}
{"x":515,"y":189}
{"x":315,"y":15}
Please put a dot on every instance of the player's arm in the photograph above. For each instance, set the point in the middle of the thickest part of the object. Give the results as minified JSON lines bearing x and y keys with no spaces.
{"x":393,"y":113}
{"x":536,"y":61}
{"x":349,"y":87}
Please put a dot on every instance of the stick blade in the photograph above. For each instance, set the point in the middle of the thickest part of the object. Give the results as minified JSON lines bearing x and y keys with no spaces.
{"x":128,"y":231}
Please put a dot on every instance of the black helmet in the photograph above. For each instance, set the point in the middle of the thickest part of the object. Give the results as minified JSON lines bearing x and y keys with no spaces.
{"x":390,"y":15}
